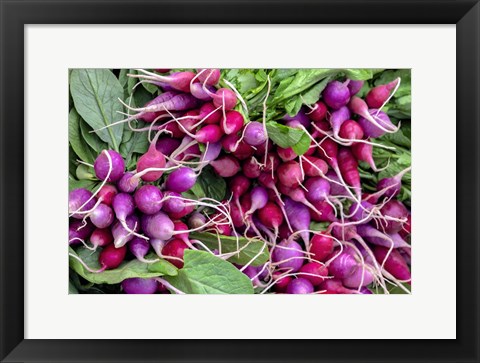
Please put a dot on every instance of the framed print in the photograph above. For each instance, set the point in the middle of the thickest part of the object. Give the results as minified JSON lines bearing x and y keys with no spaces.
{"x":258,"y":195}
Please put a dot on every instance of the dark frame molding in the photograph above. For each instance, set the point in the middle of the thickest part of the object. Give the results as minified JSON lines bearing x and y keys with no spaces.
{"x":15,"y":14}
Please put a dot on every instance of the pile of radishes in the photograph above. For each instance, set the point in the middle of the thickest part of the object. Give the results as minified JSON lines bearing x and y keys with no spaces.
{"x":273,"y":194}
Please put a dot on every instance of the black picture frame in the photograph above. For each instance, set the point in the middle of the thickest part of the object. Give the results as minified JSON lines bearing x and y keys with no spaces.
{"x":16,"y":14}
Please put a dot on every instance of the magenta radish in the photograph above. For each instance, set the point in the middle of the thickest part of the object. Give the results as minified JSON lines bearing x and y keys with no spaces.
{"x":271,"y":215}
{"x":314,"y":272}
{"x":178,"y":80}
{"x":251,"y":168}
{"x":209,"y":133}
{"x":289,"y":256}
{"x":201,"y":92}
{"x":80,"y":201}
{"x":208,"y":76}
{"x":378,"y":95}
{"x":372,"y":235}
{"x":349,"y":168}
{"x":151,"y":159}
{"x":225,"y":98}
{"x":173,"y":202}
{"x":286,"y":154}
{"x":391,"y":186}
{"x":233,"y":122}
{"x":158,"y":226}
{"x":393,"y":262}
{"x":333,"y":286}
{"x":101,"y":237}
{"x":111,"y":257}
{"x":300,"y":286}
{"x":139,"y":248}
{"x":318,"y":189}
{"x":396,"y":210}
{"x":319,"y":112}
{"x":137,"y":285}
{"x":313,"y":166}
{"x":106,"y":194}
{"x":207,"y":112}
{"x":351,"y":130}
{"x":166,"y":145}
{"x":226,"y":166}
{"x":123,"y":206}
{"x":321,"y":246}
{"x":290,"y":174}
{"x":181,"y":180}
{"x":337,"y":118}
{"x":327,"y":212}
{"x":336,"y":94}
{"x":176,"y":249}
{"x":364,"y":152}
{"x":112,"y":163}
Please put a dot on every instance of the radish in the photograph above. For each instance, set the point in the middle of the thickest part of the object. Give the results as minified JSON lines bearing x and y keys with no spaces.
{"x":127,"y":183}
{"x":210,"y":113}
{"x":391,"y":186}
{"x":148,"y":199}
{"x":314,"y":272}
{"x":271,"y":216}
{"x":288,"y":255}
{"x":111,"y":257}
{"x":196,"y":221}
{"x":336,"y":94}
{"x":281,"y":282}
{"x":209,"y":133}
{"x":80,"y":201}
{"x":379,"y":95}
{"x":380,"y":128}
{"x":255,"y":133}
{"x":337,"y":118}
{"x":290,"y":174}
{"x":351,"y":131}
{"x":286,"y":154}
{"x":394,"y":211}
{"x":300,"y":286}
{"x":313,"y":166}
{"x":79,"y":231}
{"x":208,"y":76}
{"x":327,"y":212}
{"x":251,"y":168}
{"x":393,"y":262}
{"x":364,"y":152}
{"x":259,"y":199}
{"x":232,"y":123}
{"x":102,"y":216}
{"x":319,"y":112}
{"x":226,"y":166}
{"x":343,"y":265}
{"x":174,"y":251}
{"x":101,"y":237}
{"x":361,"y":277}
{"x":137,"y":285}
{"x":321,"y":246}
{"x":178,"y":80}
{"x":139,"y":248}
{"x":123,"y":235}
{"x":372,"y":235}
{"x":106,"y":194}
{"x":354,"y":87}
{"x":102,"y":166}
{"x":152,"y":159}
{"x":299,"y":217}
{"x":158,"y":226}
{"x":181,"y":180}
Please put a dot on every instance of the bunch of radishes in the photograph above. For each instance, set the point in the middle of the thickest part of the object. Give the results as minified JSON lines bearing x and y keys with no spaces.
{"x":274,"y":194}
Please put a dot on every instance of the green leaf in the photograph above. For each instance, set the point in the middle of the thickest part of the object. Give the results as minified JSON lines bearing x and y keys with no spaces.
{"x":122,"y":77}
{"x":75,"y":138}
{"x":95,"y":93}
{"x":302,"y":146}
{"x":204,"y":273}
{"x":92,"y":139}
{"x":313,"y":94}
{"x":282,"y":135}
{"x":71,"y":288}
{"x":164,"y":267}
{"x":358,"y":74}
{"x":75,"y":184}
{"x":248,"y":249}
{"x":213,"y":186}
{"x":141,"y":97}
{"x":151,"y":88}
{"x":133,"y":268}
{"x":133,"y":142}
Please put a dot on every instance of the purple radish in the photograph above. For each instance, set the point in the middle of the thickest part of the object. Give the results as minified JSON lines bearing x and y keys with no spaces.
{"x":158,"y":226}
{"x":102,"y":216}
{"x":128,"y":184}
{"x":120,"y":235}
{"x":299,"y":218}
{"x":80,"y":200}
{"x":102,"y":166}
{"x":300,"y":286}
{"x":181,"y":180}
{"x":148,"y":199}
{"x":392,"y":186}
{"x":336,"y":94}
{"x":354,"y":87}
{"x":226,"y":166}
{"x":255,"y":133}
{"x":289,"y":255}
{"x":137,"y":285}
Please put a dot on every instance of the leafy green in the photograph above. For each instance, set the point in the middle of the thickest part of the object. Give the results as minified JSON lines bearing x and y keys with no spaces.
{"x":211,"y":185}
{"x":358,"y":74}
{"x":77,"y":142}
{"x":204,"y":273}
{"x":91,"y":138}
{"x":133,"y":268}
{"x":95,"y":93}
{"x":282,"y":135}
{"x":248,"y":249}
{"x":75,"y":184}
{"x":164,"y":267}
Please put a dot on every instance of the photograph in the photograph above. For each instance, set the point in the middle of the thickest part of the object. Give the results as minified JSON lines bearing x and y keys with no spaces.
{"x":239,"y":181}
